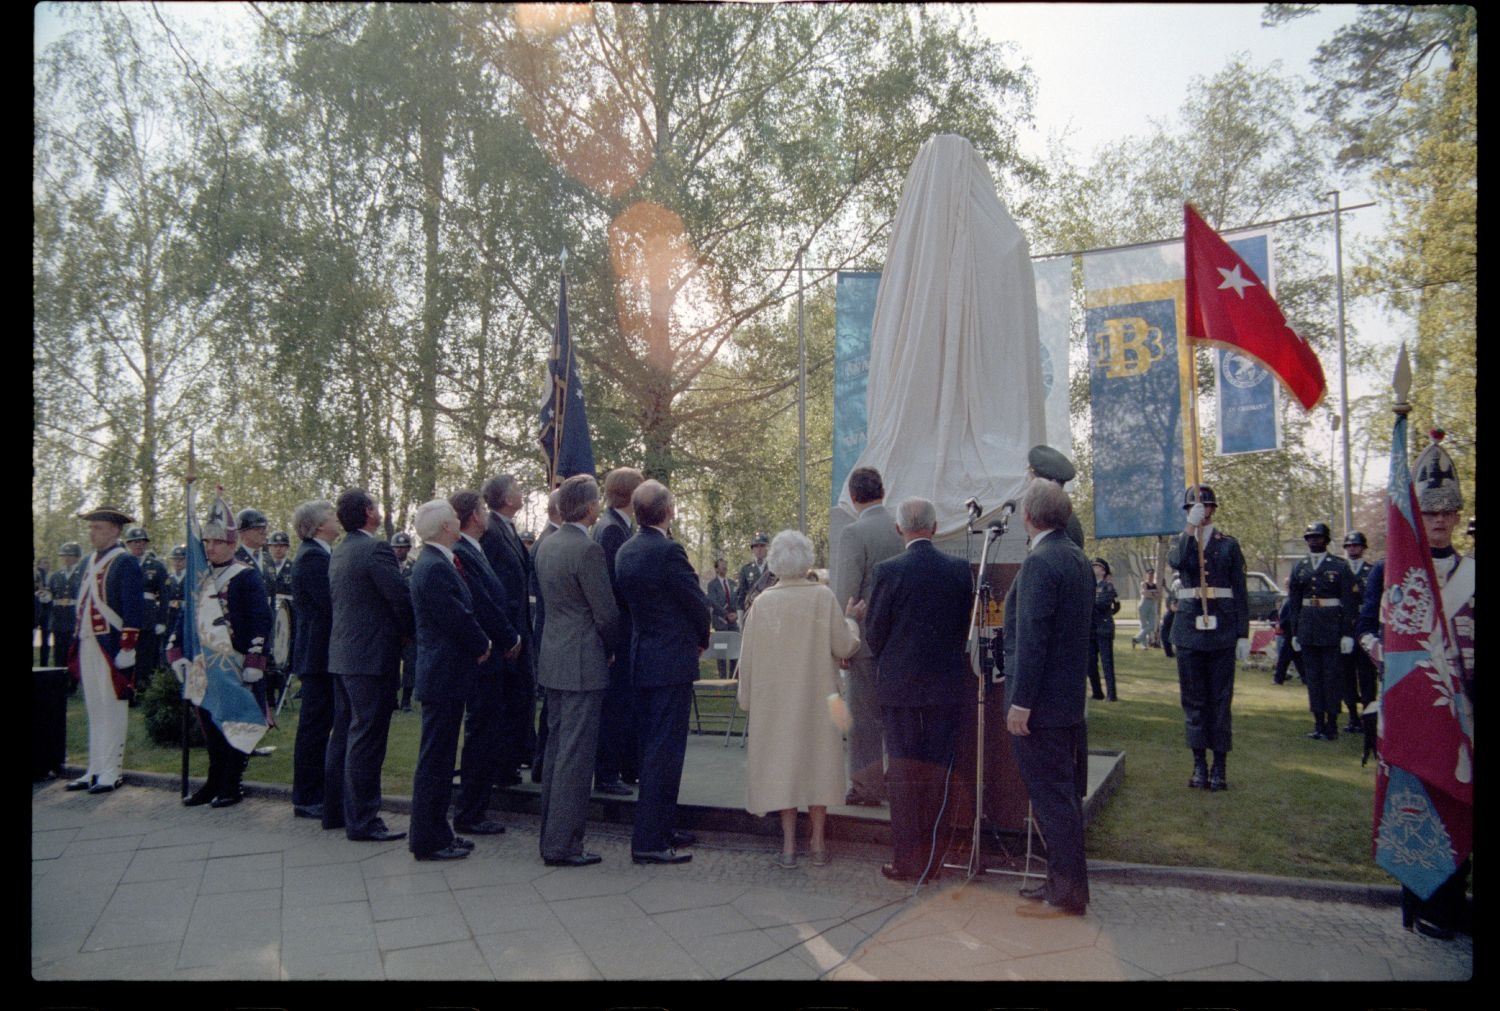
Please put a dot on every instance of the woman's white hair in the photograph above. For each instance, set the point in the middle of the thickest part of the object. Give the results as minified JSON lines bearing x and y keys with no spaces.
{"x":790,"y":555}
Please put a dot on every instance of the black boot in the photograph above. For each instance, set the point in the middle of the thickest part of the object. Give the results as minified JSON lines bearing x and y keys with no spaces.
{"x":202,"y":795}
{"x":1354,"y":726}
{"x":1317,"y":734}
{"x":1199,"y":779}
{"x":1216,"y":780}
{"x":232,"y":793}
{"x":1331,"y":727}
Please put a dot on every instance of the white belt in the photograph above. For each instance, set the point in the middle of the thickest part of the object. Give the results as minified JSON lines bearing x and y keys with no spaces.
{"x":1321,"y":602}
{"x":1193,"y":592}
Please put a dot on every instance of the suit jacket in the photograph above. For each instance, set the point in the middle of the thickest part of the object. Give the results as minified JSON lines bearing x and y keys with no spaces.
{"x":864,"y":544}
{"x":918,"y":625}
{"x":721,"y":602}
{"x":312,"y":603}
{"x":511,"y":563}
{"x":489,"y":603}
{"x":610,"y":533}
{"x":449,"y":637}
{"x":668,"y":610}
{"x":581,"y":611}
{"x":1047,"y":633}
{"x":371,"y":608}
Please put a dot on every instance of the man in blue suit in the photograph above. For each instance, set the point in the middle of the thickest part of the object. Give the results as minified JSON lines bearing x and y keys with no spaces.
{"x":668,"y":632}
{"x":511,"y":562}
{"x":483,"y":714}
{"x":1046,"y":666}
{"x":371,"y":617}
{"x":317,"y":526}
{"x":451,"y":646}
{"x":616,"y":762}
{"x":917,"y":625}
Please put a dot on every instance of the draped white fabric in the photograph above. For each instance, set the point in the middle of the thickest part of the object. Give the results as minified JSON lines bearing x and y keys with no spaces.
{"x":955,"y":386}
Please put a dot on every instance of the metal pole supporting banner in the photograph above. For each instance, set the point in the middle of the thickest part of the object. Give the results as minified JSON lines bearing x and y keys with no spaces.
{"x":1338,"y":287}
{"x":801,"y":405}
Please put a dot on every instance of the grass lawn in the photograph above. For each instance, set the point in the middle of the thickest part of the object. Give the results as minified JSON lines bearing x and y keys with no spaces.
{"x":1294,"y":807}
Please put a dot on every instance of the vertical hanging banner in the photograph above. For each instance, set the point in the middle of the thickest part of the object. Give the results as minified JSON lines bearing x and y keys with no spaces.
{"x":854,"y":312}
{"x":1054,"y":295}
{"x":1248,"y":396}
{"x":1133,"y":319}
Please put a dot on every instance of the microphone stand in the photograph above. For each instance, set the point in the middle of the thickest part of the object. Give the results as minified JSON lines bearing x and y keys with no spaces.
{"x":982,"y":597}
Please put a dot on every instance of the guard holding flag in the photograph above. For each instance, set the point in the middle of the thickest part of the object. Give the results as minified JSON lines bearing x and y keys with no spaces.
{"x":1210,"y":630}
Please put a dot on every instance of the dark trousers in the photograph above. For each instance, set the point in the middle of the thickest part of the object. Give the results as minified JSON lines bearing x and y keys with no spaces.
{"x":616,"y":756}
{"x":866,"y":734}
{"x":408,"y":677}
{"x":226,"y":763}
{"x":480,"y":764}
{"x":314,"y":721}
{"x":62,"y":645}
{"x":517,"y":715}
{"x":432,"y":783}
{"x":1102,"y":649}
{"x":1205,"y":683}
{"x":919,"y":741}
{"x":1048,"y":761}
{"x":1323,"y":666}
{"x":356,"y":751}
{"x":662,"y":727}
{"x":1359,"y":678}
{"x":44,"y":657}
{"x":1285,"y":655}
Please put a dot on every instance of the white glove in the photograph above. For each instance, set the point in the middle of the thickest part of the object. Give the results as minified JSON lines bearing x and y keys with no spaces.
{"x":1346,"y":645}
{"x":1242,"y":650}
{"x":1296,"y":645}
{"x":125,"y":658}
{"x":180,"y":668}
{"x":161,"y":629}
{"x":250,"y":675}
{"x":1195,"y":515}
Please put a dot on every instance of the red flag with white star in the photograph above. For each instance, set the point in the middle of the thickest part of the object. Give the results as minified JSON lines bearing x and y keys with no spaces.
{"x":1228,"y":305}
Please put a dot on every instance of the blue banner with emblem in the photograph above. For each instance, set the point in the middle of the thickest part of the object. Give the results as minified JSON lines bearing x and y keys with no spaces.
{"x":854,"y":314}
{"x":1248,"y":396}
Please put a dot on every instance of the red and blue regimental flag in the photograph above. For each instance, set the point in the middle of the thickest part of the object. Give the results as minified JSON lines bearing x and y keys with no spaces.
{"x":1424,"y":786}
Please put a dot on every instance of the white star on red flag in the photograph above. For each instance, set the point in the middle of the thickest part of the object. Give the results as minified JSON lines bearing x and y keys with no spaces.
{"x":1233,"y":279}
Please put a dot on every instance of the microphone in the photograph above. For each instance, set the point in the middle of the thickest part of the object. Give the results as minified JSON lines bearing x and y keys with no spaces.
{"x":1008,"y":509}
{"x":974,"y":509}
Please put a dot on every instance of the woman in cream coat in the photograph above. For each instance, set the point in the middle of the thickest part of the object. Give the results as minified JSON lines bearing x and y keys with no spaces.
{"x":793,"y":638}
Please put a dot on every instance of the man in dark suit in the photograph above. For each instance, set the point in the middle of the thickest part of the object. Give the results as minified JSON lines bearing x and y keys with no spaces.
{"x":511,"y":562}
{"x":317,"y":526}
{"x":1046,"y":665}
{"x":917,"y":624}
{"x":617,"y":741}
{"x":371,"y":617}
{"x":483,"y":743}
{"x":451,"y":645}
{"x":864,"y":544}
{"x":723,"y":611}
{"x":668,"y":632}
{"x":573,"y":669}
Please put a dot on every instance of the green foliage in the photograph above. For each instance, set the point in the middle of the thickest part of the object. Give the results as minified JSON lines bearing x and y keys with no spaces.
{"x":161,"y":709}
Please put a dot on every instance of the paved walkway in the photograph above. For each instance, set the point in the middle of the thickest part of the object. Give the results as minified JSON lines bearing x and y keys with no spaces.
{"x":132,"y":886}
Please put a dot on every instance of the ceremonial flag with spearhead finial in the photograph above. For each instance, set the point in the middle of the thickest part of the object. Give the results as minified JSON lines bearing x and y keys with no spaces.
{"x":1227,"y":304}
{"x":563,"y":425}
{"x":1424,"y":786}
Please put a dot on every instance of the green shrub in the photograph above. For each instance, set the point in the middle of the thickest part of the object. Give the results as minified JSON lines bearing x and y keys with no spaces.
{"x":161,"y":705}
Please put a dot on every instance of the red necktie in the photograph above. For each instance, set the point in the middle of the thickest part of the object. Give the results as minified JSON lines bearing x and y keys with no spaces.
{"x":458,"y":563}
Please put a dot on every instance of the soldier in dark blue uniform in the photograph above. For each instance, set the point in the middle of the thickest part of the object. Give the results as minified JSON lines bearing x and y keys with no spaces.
{"x":1320,"y":620}
{"x":40,"y":598}
{"x":153,"y":615}
{"x":1211,"y":629}
{"x":276,"y":573}
{"x":252,"y":524}
{"x":1102,"y":631}
{"x":401,"y":545}
{"x":63,"y":586}
{"x":172,"y":595}
{"x":1359,"y":669}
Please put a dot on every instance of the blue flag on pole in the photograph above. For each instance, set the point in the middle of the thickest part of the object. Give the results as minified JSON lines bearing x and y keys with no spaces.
{"x":213,"y":678}
{"x":563,"y":428}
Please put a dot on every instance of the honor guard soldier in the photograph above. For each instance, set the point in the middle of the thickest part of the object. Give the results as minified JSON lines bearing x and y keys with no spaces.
{"x":62,"y":586}
{"x":1359,"y":669}
{"x":276,"y":572}
{"x":1046,"y":462}
{"x":40,"y":598}
{"x":751,"y":573}
{"x":173,"y":593}
{"x":1322,"y":607}
{"x":153,"y":613}
{"x":1210,"y":630}
{"x":252,"y":524}
{"x":401,"y":545}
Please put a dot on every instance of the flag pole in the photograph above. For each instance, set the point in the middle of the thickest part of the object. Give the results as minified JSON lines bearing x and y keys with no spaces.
{"x":187,"y":497}
{"x":559,"y":400}
{"x":1195,"y":462}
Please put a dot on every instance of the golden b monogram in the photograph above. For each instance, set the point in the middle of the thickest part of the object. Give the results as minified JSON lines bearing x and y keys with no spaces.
{"x":1127,"y":347}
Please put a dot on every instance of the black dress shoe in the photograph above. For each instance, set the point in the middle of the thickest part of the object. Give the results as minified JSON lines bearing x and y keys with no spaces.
{"x":1099,"y":697}
{"x":536,"y":773}
{"x":511,"y":778}
{"x":860,"y":800}
{"x":576,"y":860}
{"x":630,"y":779}
{"x":485,"y":827}
{"x":462,"y":843}
{"x":1035,"y":893}
{"x":1216,"y":781}
{"x":307,"y":811}
{"x":615,"y":789}
{"x":446,"y":853}
{"x":894,"y":873}
{"x":200,"y":797}
{"x":661,"y":857}
{"x":682,"y":840}
{"x":81,"y":783}
{"x":379,"y":835}
{"x":1048,"y":911}
{"x":227,"y":800}
{"x":106,"y":787}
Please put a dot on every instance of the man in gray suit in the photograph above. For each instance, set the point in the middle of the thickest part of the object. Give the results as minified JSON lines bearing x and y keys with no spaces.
{"x":372,"y":616}
{"x":865,"y":543}
{"x":573,"y":669}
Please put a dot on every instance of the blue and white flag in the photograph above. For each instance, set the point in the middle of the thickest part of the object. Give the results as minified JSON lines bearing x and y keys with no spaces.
{"x":854,"y":312}
{"x":1248,"y":395}
{"x":563,"y":428}
{"x":213,"y":678}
